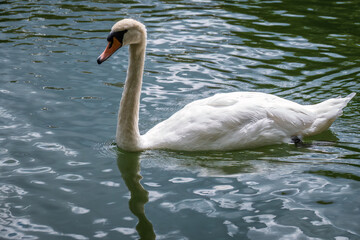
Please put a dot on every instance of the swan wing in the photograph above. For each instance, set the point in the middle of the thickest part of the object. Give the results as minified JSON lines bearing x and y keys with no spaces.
{"x":230,"y":121}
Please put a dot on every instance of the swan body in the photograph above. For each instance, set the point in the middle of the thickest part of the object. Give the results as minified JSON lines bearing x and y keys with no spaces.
{"x":241,"y":120}
{"x":226,"y":121}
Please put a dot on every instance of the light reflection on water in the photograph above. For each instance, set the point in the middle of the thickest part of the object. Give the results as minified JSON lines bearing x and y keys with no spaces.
{"x":61,"y":176}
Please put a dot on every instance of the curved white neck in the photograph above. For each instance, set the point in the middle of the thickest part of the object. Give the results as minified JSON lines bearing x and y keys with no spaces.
{"x":127,"y":133}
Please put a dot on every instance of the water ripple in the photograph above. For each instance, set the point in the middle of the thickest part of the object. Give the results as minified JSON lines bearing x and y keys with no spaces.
{"x":199,"y":205}
{"x":106,"y":149}
{"x":35,"y":170}
{"x":9,"y":191}
{"x":110,"y":183}
{"x":125,"y":231}
{"x":5,"y":114}
{"x":27,"y":137}
{"x":181,"y":180}
{"x":78,"y":210}
{"x":71,"y":177}
{"x":23,"y":228}
{"x":57,"y":148}
{"x":9,"y":162}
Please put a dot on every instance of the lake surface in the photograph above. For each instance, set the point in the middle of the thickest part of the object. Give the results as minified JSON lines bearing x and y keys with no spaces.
{"x":62,"y":177}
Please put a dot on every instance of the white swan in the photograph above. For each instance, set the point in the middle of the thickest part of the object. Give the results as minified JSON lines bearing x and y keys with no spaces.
{"x":226,"y":121}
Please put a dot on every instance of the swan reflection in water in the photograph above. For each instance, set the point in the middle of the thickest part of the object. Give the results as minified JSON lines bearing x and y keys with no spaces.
{"x":129,"y":166}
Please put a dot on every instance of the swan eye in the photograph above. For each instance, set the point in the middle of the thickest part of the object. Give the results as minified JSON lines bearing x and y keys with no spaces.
{"x":110,"y":43}
{"x":118,"y":35}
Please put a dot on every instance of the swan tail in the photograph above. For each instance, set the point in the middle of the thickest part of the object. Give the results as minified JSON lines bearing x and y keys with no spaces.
{"x":326,"y":113}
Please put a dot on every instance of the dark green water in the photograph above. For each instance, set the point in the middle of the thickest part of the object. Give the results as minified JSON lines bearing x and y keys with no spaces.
{"x":61,"y":177}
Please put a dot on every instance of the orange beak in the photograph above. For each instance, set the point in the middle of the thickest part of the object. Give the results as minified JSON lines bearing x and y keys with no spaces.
{"x":109,"y":50}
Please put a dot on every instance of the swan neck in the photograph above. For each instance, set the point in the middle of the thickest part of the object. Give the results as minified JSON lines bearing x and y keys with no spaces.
{"x":127,"y":134}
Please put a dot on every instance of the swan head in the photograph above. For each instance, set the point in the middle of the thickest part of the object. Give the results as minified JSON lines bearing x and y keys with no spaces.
{"x":124,"y":32}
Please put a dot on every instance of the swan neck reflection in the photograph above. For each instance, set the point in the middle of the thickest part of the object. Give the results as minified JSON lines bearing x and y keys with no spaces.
{"x":129,"y":166}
